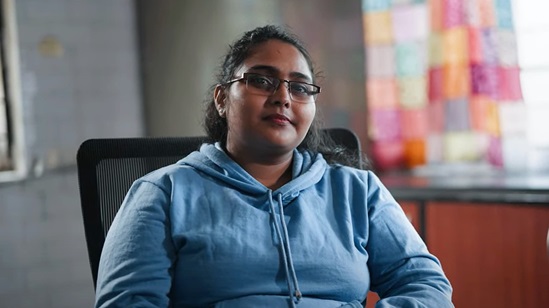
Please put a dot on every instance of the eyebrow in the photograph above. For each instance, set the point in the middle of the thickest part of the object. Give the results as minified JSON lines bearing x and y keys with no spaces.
{"x":274,"y":71}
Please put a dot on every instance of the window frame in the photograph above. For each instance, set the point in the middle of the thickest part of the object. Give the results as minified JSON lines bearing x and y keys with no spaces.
{"x":13,"y":95}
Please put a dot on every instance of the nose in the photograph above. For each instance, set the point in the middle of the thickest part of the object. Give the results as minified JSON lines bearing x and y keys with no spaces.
{"x":281,"y":95}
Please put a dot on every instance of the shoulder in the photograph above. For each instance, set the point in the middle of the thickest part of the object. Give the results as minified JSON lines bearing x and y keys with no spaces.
{"x":347,"y":172}
{"x":356,"y":179}
{"x":165,"y":177}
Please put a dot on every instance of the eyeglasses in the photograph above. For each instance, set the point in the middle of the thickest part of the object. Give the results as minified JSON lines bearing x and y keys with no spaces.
{"x":266,"y":85}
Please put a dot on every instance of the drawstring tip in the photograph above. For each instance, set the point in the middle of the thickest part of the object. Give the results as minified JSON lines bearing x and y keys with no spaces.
{"x":298,"y":295}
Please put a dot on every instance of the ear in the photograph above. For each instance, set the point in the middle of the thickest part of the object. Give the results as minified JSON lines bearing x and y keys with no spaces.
{"x":220,"y":98}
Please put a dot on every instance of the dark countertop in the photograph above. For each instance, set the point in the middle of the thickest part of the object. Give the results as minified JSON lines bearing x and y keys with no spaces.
{"x":496,"y":187}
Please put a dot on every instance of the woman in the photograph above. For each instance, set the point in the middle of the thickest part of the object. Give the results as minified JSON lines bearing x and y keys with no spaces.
{"x":260,"y":218}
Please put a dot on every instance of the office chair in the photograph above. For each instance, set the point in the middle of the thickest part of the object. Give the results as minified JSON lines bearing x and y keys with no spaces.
{"x":108,"y":167}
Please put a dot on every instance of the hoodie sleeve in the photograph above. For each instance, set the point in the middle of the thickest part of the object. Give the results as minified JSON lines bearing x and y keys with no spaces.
{"x":403,"y":272}
{"x":136,"y":262}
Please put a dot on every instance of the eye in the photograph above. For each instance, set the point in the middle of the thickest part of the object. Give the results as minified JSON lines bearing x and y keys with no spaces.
{"x":260,"y":82}
{"x":300,"y":88}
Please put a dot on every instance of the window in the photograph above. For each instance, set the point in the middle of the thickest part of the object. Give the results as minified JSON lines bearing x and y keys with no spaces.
{"x":532,"y":31}
{"x":12,"y":149}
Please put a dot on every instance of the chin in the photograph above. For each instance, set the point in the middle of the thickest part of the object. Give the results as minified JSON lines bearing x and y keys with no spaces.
{"x":286,"y":138}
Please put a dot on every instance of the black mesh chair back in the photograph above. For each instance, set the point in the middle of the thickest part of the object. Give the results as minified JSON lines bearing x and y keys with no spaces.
{"x":108,"y":167}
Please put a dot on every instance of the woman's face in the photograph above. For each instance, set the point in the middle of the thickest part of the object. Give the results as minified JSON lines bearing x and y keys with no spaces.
{"x":267,"y":124}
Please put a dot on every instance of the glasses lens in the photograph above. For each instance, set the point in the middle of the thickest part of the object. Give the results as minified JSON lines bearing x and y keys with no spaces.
{"x":261,"y":84}
{"x":302,"y":92}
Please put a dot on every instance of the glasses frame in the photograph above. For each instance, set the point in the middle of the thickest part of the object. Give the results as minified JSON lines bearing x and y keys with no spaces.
{"x":280,"y":81}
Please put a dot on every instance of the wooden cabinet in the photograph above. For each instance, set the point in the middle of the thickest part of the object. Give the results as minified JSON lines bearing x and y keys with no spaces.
{"x":495,"y":255}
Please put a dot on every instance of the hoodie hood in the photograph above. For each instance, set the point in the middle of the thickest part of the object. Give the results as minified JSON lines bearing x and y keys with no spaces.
{"x":211,"y":159}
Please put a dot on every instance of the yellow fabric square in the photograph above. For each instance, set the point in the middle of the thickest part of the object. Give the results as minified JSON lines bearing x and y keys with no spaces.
{"x":377,"y":28}
{"x":412,"y":92}
{"x":456,"y":47}
{"x":436,"y":49}
{"x":462,"y":146}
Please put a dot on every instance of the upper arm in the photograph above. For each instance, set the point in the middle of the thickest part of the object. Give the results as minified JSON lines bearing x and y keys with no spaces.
{"x":138,"y":255}
{"x":402,"y":269}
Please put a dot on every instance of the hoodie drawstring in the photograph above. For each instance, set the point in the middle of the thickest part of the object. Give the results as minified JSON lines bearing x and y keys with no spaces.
{"x":284,"y":240}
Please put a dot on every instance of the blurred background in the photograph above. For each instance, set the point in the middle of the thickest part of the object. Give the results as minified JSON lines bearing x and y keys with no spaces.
{"x":80,"y":69}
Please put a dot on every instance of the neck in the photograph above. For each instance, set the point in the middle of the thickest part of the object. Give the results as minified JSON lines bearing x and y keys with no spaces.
{"x":273,"y":172}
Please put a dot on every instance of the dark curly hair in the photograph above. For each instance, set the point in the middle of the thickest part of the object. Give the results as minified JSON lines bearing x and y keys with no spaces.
{"x":316,"y":140}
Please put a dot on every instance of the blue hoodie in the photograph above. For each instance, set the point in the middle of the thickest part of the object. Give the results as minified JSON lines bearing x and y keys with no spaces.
{"x":204,"y":233}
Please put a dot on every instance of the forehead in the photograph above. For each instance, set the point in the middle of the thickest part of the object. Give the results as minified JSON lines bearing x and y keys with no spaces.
{"x":285,"y":57}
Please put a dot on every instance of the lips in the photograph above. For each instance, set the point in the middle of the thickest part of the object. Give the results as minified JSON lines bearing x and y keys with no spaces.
{"x":278,"y":119}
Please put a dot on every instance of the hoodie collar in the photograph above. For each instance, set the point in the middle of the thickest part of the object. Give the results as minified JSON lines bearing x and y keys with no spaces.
{"x":211,"y":159}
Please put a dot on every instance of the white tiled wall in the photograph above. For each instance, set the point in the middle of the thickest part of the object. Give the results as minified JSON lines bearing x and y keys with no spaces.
{"x":91,"y":89}
{"x":86,"y":86}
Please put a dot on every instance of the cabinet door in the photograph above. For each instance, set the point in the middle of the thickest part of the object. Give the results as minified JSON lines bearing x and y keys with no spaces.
{"x":495,"y":255}
{"x":411,"y":209}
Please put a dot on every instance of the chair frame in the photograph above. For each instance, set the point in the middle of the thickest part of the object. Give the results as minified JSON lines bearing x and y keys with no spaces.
{"x":92,"y":152}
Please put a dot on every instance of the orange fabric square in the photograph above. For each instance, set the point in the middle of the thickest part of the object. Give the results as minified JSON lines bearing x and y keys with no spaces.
{"x":414,"y":153}
{"x":457,"y":81}
{"x":479,"y":112}
{"x":377,"y":28}
{"x":456,"y":47}
{"x":381,"y":93}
